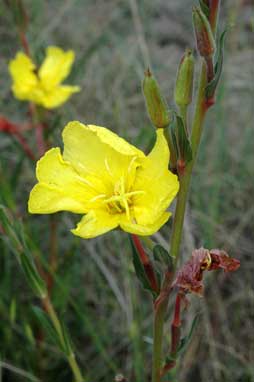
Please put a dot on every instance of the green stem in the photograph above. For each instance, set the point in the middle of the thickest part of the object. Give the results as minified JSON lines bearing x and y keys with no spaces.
{"x":159,"y":316}
{"x":56,"y":323}
{"x":160,"y":308}
{"x":176,"y":235}
{"x":53,"y":252}
{"x":197,"y":128}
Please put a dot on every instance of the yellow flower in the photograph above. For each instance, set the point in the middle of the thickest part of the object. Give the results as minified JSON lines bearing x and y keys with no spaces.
{"x":43,"y":86}
{"x":104,"y":177}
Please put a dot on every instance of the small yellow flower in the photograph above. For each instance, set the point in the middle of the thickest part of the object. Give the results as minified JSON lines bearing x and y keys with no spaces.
{"x":110,"y":181}
{"x":43,"y":86}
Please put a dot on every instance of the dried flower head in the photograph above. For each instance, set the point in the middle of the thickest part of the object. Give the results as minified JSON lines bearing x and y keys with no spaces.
{"x":190,"y":276}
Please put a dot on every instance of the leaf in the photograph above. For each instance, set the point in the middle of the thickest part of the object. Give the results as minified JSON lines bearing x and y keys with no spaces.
{"x":67,"y":340}
{"x":62,"y":342}
{"x":47,"y":326}
{"x":139,"y":269}
{"x":186,"y":340}
{"x":34,"y":279}
{"x":184,"y":146}
{"x":204,"y":7}
{"x":161,"y":254}
{"x":17,"y":243}
{"x":211,"y":87}
{"x":180,"y":139}
{"x":173,"y":135}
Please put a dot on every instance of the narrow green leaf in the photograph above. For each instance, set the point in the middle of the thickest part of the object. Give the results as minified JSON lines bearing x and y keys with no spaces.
{"x":64,"y":344}
{"x":183,"y":142}
{"x":67,"y":341}
{"x":33,"y":278}
{"x":186,"y":340}
{"x":204,"y":7}
{"x":17,"y":242}
{"x":47,"y":326}
{"x":161,"y":254}
{"x":211,"y":87}
{"x":173,"y":136}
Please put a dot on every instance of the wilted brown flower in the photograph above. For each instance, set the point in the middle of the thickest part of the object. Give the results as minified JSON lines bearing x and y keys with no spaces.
{"x":189,"y":277}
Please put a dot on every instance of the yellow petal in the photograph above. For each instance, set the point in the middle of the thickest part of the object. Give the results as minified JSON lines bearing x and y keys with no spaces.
{"x":96,"y":150}
{"x":144,"y":230}
{"x":24,"y":78}
{"x":57,"y":96}
{"x":46,"y":199}
{"x":96,"y":223}
{"x":160,"y":186}
{"x":60,"y":187}
{"x":56,"y":66}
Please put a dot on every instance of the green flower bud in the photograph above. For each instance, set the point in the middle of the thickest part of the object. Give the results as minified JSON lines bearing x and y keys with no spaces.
{"x":204,"y":35}
{"x":156,"y":105}
{"x":184,"y":81}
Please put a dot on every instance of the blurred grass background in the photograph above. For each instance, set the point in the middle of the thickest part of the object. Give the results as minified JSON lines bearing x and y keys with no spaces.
{"x":95,"y":290}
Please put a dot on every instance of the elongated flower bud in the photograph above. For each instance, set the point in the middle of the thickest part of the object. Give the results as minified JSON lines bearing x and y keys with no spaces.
{"x":156,"y":105}
{"x":203,"y":32}
{"x":184,"y":81}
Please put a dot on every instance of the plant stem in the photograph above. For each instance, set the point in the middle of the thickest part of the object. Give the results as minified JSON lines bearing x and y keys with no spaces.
{"x":159,"y":316}
{"x":197,"y":127}
{"x":185,"y":179}
{"x":176,"y":235}
{"x":213,"y":17}
{"x":53,"y":252}
{"x":160,"y":308}
{"x":56,"y":323}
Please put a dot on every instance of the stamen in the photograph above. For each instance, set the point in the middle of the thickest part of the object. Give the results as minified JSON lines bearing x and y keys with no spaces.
{"x":128,"y":194}
{"x":131,"y":163}
{"x":127,"y":209}
{"x":101,"y":196}
{"x":107,"y":167}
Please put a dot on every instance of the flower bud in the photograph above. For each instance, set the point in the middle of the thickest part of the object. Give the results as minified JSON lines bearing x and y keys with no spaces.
{"x":184,"y":81}
{"x":204,"y":35}
{"x":156,"y":105}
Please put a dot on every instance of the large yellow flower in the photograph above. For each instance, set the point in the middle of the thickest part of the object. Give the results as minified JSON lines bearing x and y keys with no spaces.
{"x":43,"y":86}
{"x":104,"y":177}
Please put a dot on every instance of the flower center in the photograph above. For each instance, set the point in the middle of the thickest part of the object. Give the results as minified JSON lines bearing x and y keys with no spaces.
{"x":121,"y":201}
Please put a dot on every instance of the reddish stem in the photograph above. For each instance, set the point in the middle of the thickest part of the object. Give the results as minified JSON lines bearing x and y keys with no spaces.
{"x":175,"y":335}
{"x":176,"y":320}
{"x":146,"y":264}
{"x":40,"y":139}
{"x":12,"y":129}
{"x":39,"y":134}
{"x":24,"y":43}
{"x":210,"y":69}
{"x":214,"y":7}
{"x":175,"y":326}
